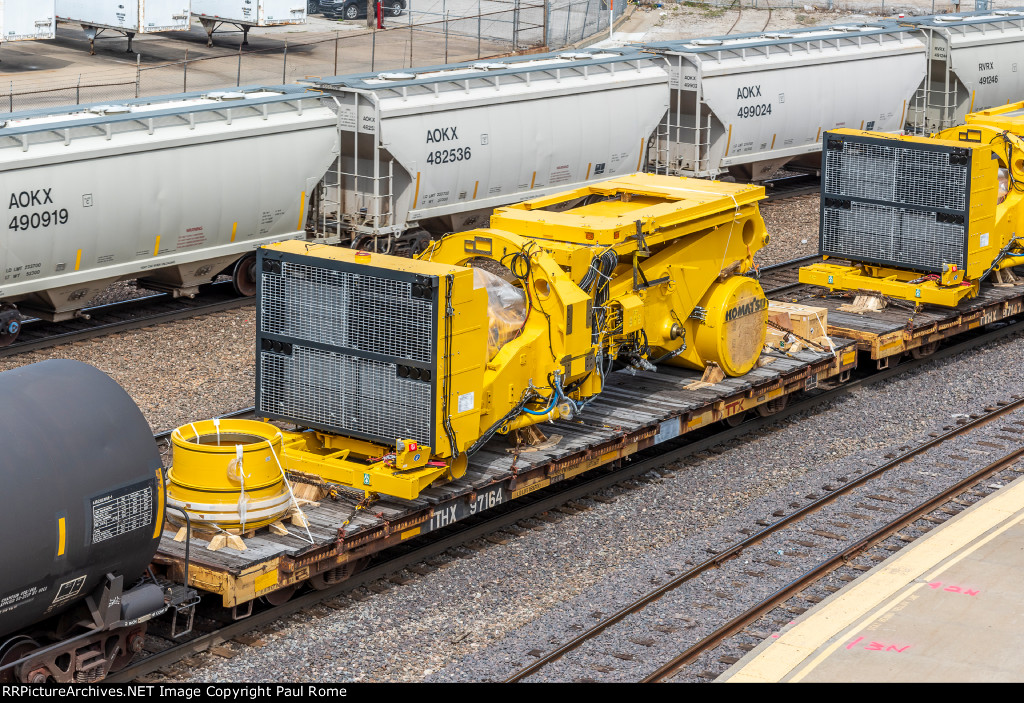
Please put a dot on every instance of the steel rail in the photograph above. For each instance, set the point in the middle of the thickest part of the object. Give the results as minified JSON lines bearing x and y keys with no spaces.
{"x":792,"y":186}
{"x":760,"y":535}
{"x":104,"y":319}
{"x":836,"y":560}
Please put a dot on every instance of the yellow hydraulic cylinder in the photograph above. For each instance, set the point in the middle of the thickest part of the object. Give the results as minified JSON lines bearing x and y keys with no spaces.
{"x":227,"y":474}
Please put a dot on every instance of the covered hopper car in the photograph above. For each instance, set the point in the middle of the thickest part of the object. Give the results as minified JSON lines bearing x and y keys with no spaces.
{"x":171,"y":191}
{"x":175,"y":190}
{"x":974,"y":63}
{"x":748,"y":104}
{"x":434,"y":150}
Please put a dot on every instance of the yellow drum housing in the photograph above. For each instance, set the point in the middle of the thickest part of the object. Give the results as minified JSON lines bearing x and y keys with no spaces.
{"x":734,"y":325}
{"x":227,"y":474}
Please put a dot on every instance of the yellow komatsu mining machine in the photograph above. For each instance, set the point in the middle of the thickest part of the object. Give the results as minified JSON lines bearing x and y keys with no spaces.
{"x":923,"y":219}
{"x":396,"y":370}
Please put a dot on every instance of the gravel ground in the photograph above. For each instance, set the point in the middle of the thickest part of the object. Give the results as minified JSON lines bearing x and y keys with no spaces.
{"x":176,"y":372}
{"x":696,"y":19}
{"x":460,"y":621}
{"x":793,"y":226}
{"x":473,"y":615}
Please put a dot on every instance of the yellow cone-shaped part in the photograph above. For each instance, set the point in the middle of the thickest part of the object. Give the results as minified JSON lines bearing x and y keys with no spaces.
{"x":226,"y":474}
{"x":733,"y":330}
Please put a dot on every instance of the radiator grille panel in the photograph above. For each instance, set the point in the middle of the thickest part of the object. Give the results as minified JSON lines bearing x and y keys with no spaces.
{"x":895,"y":203}
{"x":331,"y":389}
{"x":342,"y":346}
{"x":905,"y":237}
{"x":341,"y":309}
{"x":896,"y":174}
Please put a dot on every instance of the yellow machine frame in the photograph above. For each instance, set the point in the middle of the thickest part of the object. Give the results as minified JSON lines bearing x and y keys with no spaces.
{"x":992,"y":139}
{"x":642,"y":269}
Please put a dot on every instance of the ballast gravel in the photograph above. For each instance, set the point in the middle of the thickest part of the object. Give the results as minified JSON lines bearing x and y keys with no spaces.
{"x":479,"y":618}
{"x":792,"y":224}
{"x":176,"y":372}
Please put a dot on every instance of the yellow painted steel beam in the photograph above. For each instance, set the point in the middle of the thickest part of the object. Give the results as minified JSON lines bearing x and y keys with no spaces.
{"x":851,"y":278}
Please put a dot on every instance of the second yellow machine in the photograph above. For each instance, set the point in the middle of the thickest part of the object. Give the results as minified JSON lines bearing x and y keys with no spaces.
{"x":396,"y":370}
{"x":924,"y":219}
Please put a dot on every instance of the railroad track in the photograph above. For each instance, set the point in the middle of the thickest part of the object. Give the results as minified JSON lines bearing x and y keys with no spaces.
{"x":101,"y":320}
{"x":792,"y":526}
{"x":107,"y":319}
{"x":739,"y":16}
{"x":872,"y":548}
{"x":539,"y":503}
{"x":792,"y":186}
{"x":783,"y":277}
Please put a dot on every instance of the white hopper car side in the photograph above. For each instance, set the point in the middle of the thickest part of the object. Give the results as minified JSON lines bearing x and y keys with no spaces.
{"x":172,"y":191}
{"x":175,"y":190}
{"x":748,"y":104}
{"x":22,"y":20}
{"x":975,"y":61}
{"x":436,"y":149}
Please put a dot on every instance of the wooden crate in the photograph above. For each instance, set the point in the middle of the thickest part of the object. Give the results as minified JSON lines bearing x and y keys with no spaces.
{"x":804,"y":320}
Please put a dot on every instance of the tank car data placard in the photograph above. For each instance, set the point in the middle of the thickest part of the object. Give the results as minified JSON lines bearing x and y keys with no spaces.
{"x":120,"y":512}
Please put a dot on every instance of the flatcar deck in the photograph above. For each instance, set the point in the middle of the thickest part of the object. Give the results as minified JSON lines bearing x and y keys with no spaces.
{"x":944,"y":609}
{"x":635,"y":412}
{"x":899,"y":328}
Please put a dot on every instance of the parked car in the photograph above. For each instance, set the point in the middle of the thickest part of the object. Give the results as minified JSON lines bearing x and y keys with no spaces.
{"x":354,"y":9}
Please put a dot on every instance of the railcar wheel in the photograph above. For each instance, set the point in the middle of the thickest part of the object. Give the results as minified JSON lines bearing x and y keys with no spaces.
{"x":924,"y":350}
{"x":10,"y":325}
{"x":735,"y":420}
{"x":133,"y":644}
{"x":772,"y":406}
{"x":415,"y":241}
{"x":11,"y":651}
{"x":281,"y":596}
{"x":243,"y":278}
{"x":330,"y":577}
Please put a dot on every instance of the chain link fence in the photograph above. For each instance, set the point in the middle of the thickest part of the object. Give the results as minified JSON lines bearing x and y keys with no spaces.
{"x":439,"y":35}
{"x":573,"y":21}
{"x":914,"y":7}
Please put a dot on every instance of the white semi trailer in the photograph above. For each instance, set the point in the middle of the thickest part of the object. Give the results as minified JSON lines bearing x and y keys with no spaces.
{"x":127,"y":17}
{"x":23,"y":20}
{"x":246,"y":14}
